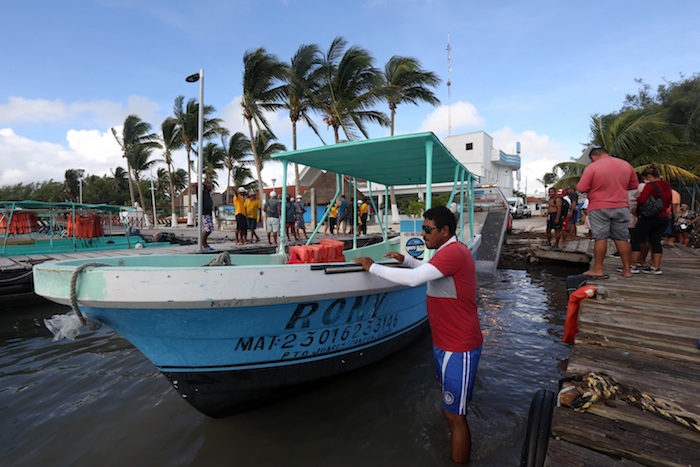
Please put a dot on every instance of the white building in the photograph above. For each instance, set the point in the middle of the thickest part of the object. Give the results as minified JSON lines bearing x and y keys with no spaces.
{"x":493,"y":167}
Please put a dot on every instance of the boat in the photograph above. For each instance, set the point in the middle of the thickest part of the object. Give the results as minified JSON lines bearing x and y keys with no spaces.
{"x":234,"y":331}
{"x":35,"y":231}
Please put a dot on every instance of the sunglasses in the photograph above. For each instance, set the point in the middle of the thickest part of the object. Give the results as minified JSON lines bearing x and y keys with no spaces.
{"x":427,"y":229}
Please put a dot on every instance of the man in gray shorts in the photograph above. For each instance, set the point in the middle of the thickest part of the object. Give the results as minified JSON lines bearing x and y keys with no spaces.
{"x":606,"y":180}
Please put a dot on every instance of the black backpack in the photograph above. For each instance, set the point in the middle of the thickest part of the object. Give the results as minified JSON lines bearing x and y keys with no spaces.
{"x":653,"y":205}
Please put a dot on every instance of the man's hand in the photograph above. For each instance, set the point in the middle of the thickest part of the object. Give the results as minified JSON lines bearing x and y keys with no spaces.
{"x":395,"y":255}
{"x":364,"y":261}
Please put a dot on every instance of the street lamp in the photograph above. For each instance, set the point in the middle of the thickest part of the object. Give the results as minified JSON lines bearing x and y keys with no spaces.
{"x":193,"y":78}
{"x":80,"y":173}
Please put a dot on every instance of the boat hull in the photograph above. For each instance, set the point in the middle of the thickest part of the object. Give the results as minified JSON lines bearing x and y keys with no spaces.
{"x":229,"y":338}
{"x":223,"y":393}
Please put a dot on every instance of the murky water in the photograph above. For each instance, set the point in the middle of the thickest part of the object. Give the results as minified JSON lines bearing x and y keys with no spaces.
{"x":98,"y":401}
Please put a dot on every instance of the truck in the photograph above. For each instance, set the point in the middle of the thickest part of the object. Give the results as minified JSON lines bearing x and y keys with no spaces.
{"x":516,"y":205}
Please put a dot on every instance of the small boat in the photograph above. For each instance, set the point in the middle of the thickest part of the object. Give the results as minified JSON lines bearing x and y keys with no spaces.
{"x":231,"y":332}
{"x":35,"y":231}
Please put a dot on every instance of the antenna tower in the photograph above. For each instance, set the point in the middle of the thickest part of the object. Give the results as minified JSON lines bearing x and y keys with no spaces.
{"x":449,"y":85}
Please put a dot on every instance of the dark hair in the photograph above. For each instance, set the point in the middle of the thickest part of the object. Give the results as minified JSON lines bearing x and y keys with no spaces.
{"x":442,"y":217}
{"x":652,"y":170}
{"x":597,"y":151}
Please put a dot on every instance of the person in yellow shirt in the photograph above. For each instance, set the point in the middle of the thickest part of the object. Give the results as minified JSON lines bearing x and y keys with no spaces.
{"x":333,"y":218}
{"x":252,"y":212}
{"x":241,"y":219}
{"x":363,"y":213}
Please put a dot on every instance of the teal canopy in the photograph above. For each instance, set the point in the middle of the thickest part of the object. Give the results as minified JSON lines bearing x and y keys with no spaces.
{"x":392,"y":161}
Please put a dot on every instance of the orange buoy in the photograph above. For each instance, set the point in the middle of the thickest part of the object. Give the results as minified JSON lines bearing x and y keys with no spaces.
{"x":575,"y":299}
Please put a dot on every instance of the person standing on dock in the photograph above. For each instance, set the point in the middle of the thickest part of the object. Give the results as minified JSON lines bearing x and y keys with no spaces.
{"x":252,"y":212}
{"x":606,"y":180}
{"x":575,"y":215}
{"x":272,"y":217}
{"x":551,"y":214}
{"x":452,"y":313}
{"x":651,"y":228}
{"x":241,"y":218}
{"x":207,"y":219}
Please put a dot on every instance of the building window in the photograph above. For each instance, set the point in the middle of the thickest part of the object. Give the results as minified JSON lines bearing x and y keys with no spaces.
{"x":470,"y":146}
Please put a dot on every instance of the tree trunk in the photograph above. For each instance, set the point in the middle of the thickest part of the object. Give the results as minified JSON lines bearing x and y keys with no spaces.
{"x":258,"y":169}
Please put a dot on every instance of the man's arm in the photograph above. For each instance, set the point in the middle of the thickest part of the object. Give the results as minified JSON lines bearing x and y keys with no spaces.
{"x":426,"y":272}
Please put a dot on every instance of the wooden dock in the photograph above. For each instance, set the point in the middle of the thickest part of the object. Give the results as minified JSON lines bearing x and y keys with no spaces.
{"x":645,"y":335}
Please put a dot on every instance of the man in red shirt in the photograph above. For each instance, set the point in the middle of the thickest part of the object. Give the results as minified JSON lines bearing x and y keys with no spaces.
{"x":606,"y":180}
{"x":452,"y":313}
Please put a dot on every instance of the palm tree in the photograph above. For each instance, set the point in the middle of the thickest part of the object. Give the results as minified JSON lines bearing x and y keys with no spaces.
{"x":172,"y":140}
{"x":406,"y":82}
{"x":71,"y":184}
{"x":567,"y":174}
{"x":188,"y":122}
{"x":135,"y":131}
{"x":140,"y":160}
{"x":642,"y":136}
{"x":214,"y":157}
{"x":238,"y":151}
{"x":303,"y":81}
{"x":548,"y":179}
{"x":352,"y":86}
{"x":263,"y":90}
{"x":265,"y":148}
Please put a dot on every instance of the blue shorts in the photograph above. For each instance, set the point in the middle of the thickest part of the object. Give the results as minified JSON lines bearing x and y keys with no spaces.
{"x":456,"y":372}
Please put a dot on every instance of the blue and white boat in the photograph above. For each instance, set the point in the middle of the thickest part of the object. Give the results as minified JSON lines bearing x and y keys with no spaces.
{"x":229,"y":337}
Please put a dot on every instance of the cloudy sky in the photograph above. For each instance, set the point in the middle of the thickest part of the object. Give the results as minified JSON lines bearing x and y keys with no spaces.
{"x":532,"y":71}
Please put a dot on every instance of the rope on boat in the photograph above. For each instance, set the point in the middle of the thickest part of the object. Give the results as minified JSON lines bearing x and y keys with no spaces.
{"x":74,"y":294}
{"x":222,"y":259}
{"x":12,"y":279}
{"x":593,"y":387}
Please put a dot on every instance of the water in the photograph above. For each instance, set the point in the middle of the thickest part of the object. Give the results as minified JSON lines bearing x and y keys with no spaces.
{"x":98,"y":400}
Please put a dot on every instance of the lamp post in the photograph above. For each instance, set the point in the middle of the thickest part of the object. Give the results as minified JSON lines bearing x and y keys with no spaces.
{"x":80,"y":173}
{"x":153,"y":202}
{"x":193,"y":78}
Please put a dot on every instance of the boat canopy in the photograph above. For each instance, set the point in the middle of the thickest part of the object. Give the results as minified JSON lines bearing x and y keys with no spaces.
{"x":391,"y":161}
{"x":63,"y":205}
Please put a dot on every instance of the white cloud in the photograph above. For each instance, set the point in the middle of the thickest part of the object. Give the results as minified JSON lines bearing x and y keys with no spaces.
{"x":19,"y":110}
{"x":457,"y":116}
{"x":23,"y":160}
{"x":538,"y":155}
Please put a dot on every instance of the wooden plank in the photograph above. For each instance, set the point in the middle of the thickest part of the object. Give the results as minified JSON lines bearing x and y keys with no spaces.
{"x":561,"y":453}
{"x":645,"y":336}
{"x":621,"y":438}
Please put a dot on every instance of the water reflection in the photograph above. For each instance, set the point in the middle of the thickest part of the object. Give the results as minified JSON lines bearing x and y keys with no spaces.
{"x":97,"y":399}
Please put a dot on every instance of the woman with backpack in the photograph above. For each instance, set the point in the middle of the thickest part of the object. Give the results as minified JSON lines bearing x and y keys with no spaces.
{"x":652,"y":213}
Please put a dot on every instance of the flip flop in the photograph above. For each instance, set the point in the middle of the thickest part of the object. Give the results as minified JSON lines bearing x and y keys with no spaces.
{"x":601,"y":277}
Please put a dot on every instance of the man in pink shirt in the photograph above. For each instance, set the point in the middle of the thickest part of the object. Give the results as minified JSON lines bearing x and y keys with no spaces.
{"x":606,"y":181}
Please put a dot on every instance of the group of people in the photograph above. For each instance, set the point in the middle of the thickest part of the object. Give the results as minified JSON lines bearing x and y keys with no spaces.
{"x":635,"y":211}
{"x":339,"y":216}
{"x":248,"y":212}
{"x":562,"y":216}
{"x":294,"y":218}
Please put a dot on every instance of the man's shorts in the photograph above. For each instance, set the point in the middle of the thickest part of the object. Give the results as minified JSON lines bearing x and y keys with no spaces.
{"x":207,"y":223}
{"x":273,"y":224}
{"x":456,"y":372}
{"x":252,"y":222}
{"x":610,"y":223}
{"x":241,"y":222}
{"x":550,"y":221}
